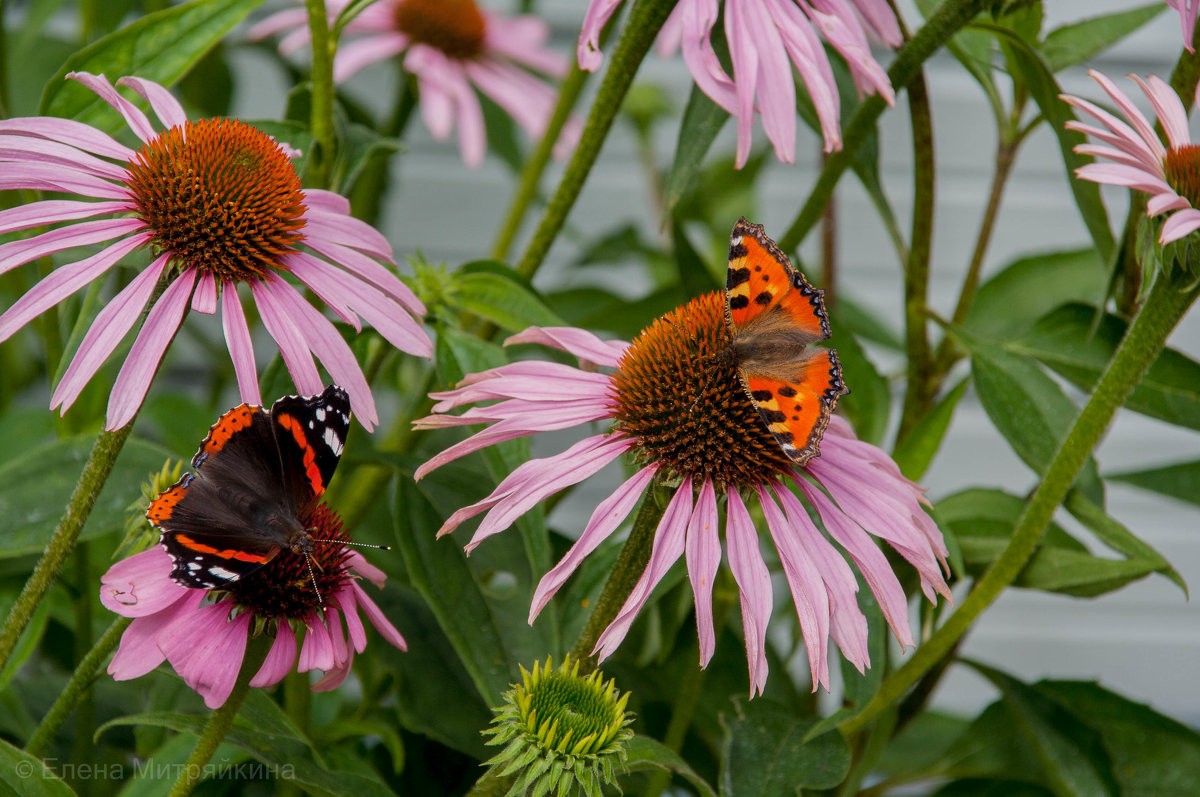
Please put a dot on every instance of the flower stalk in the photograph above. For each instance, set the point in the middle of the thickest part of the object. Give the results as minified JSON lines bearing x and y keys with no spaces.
{"x":95,"y":473}
{"x":77,"y":687}
{"x":645,"y":21}
{"x":322,"y":94}
{"x":1145,"y":338}
{"x":944,"y":23}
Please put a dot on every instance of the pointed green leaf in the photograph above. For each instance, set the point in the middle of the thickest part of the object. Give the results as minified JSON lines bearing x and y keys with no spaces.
{"x":646,"y":754}
{"x":1180,"y":481}
{"x":1012,"y":299}
{"x":27,"y":776}
{"x":1076,"y":43}
{"x":765,"y":754}
{"x":702,"y":120}
{"x":500,"y":299}
{"x":915,"y":453}
{"x":1116,"y":536}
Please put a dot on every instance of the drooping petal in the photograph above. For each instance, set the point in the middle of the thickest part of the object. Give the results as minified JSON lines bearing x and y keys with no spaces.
{"x":579,"y":342}
{"x":68,"y":131}
{"x":316,"y":652}
{"x":597,"y":16}
{"x":703,"y":555}
{"x":354,"y":55}
{"x":1179,"y":224}
{"x":669,"y":539}
{"x":348,"y":603}
{"x":132,"y":115}
{"x":359,"y":564}
{"x":140,"y":585}
{"x":85,"y":233}
{"x":377,"y":617}
{"x":166,"y":107}
{"x":148,"y":349}
{"x":280,"y":658}
{"x":52,"y":211}
{"x":291,"y":342}
{"x":241,"y":347}
{"x":207,"y":652}
{"x":204,"y":299}
{"x":754,"y":585}
{"x":522,"y":39}
{"x":606,"y":519}
{"x":140,"y":651}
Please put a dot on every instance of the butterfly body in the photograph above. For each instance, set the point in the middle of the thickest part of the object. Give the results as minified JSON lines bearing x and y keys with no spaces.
{"x":258,"y":473}
{"x":773,"y":317}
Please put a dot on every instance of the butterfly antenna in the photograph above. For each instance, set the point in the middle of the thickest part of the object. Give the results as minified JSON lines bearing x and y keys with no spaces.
{"x":312,"y":575}
{"x":360,"y":544}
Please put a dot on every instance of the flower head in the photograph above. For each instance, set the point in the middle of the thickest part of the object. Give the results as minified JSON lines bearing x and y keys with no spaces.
{"x":560,"y":729}
{"x":767,"y":38}
{"x":694,"y":430}
{"x":218,"y":206}
{"x":1170,"y":174}
{"x":203,"y":633}
{"x":452,"y":47}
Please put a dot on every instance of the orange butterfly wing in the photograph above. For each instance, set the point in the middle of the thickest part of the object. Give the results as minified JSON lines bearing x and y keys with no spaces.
{"x":760,"y":277}
{"x":796,"y":413}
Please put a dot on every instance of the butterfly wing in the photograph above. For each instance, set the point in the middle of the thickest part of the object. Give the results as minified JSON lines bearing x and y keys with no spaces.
{"x":216,"y":523}
{"x":310,"y":432}
{"x":797,"y":411}
{"x":761,"y":282}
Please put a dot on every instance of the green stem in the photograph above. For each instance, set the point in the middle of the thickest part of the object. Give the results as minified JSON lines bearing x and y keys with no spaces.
{"x":531,"y":175}
{"x":945,"y":22}
{"x":5,"y":108}
{"x":221,"y":720}
{"x":630,"y":564}
{"x":920,"y":388}
{"x":322,"y":94}
{"x":1143,"y":341}
{"x":77,"y":688}
{"x":91,"y":481}
{"x":645,"y":20}
{"x":85,"y":713}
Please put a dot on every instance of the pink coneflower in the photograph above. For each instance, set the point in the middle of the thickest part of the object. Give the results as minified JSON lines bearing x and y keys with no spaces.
{"x":711,"y":447}
{"x":217,"y":204}
{"x":203,"y":633}
{"x":452,"y":47}
{"x":1187,"y":19}
{"x":766,"y":39}
{"x":1170,"y":175}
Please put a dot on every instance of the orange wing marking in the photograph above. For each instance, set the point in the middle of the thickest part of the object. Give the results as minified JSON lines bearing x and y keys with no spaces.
{"x":310,"y":456}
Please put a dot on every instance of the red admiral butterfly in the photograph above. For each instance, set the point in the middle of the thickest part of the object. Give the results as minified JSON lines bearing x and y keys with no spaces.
{"x":256,"y":475}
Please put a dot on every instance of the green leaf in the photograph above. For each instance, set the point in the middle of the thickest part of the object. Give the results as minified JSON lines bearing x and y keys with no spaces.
{"x":1080,"y":41}
{"x":694,"y":274}
{"x":1071,"y":754}
{"x":1024,"y":404}
{"x":764,"y":753}
{"x":869,"y":402}
{"x":921,"y":743}
{"x":646,"y":754}
{"x":865,"y":324}
{"x":973,"y":49}
{"x":500,"y":299}
{"x":1045,"y":91}
{"x":983,"y":520}
{"x":702,"y":120}
{"x":26,"y":775}
{"x":991,"y":787}
{"x":1180,"y":481}
{"x":1116,"y":536}
{"x":1078,"y":343}
{"x":1152,"y":755}
{"x":39,"y":484}
{"x":361,"y":143}
{"x":1011,"y":300}
{"x":161,"y":47}
{"x":916,"y":451}
{"x":438,"y":570}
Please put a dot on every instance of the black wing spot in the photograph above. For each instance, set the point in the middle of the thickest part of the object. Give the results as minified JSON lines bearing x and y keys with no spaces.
{"x":738,"y":303}
{"x":735,"y":277}
{"x":761,"y":395}
{"x":787,"y":391}
{"x":738,"y":250}
{"x":764,"y":298}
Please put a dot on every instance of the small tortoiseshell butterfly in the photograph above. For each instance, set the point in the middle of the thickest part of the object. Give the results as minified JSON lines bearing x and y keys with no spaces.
{"x":773,"y":316}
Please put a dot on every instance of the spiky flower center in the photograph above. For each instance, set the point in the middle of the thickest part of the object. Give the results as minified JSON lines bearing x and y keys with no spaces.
{"x":456,"y":27}
{"x":558,"y":724}
{"x":1182,"y":170}
{"x":284,"y":587}
{"x":679,"y":395}
{"x":220,"y":196}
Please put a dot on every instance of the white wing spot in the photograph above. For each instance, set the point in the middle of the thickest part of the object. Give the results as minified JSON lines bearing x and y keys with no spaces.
{"x":333,"y":440}
{"x":223,"y":574}
{"x":320,"y":414}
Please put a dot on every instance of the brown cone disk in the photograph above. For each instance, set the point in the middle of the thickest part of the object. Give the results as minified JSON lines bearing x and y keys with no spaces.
{"x":456,"y":27}
{"x":283,"y":588}
{"x":221,"y":196}
{"x":1182,"y":169}
{"x":679,"y":361}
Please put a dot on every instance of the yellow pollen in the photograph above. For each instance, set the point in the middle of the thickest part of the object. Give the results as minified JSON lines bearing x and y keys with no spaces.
{"x":456,"y":27}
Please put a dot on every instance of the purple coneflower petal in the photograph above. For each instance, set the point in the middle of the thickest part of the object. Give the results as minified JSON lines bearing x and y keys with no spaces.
{"x":316,"y":653}
{"x":61,"y":283}
{"x":606,"y":519}
{"x":808,"y":54}
{"x":47,"y":177}
{"x":1187,"y":19}
{"x":348,"y":603}
{"x":378,"y":619}
{"x":204,"y":299}
{"x":698,"y":19}
{"x":359,"y":564}
{"x":51,"y":211}
{"x":85,"y":233}
{"x":139,"y":651}
{"x":1144,"y":129}
{"x":166,"y":108}
{"x":668,"y":546}
{"x":68,"y":131}
{"x":588,"y":49}
{"x":241,"y":347}
{"x":1167,"y":108}
{"x":1179,"y":224}
{"x":132,"y":115}
{"x":1161,"y":203}
{"x":277,"y":23}
{"x":581,"y":343}
{"x":703,"y":555}
{"x":28,"y":149}
{"x":369,"y":270}
{"x":754,"y":585}
{"x":280,"y":658}
{"x":744,"y":53}
{"x":347,"y":231}
{"x":1124,"y":176}
{"x":292,"y":346}
{"x":148,"y":349}
{"x":354,"y":55}
{"x":303,"y":266}
{"x":879,"y":15}
{"x":140,"y":585}
{"x":107,"y":330}
{"x":523,"y":39}
{"x":207,"y":650}
{"x":341,"y":652}
{"x":335,"y":677}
